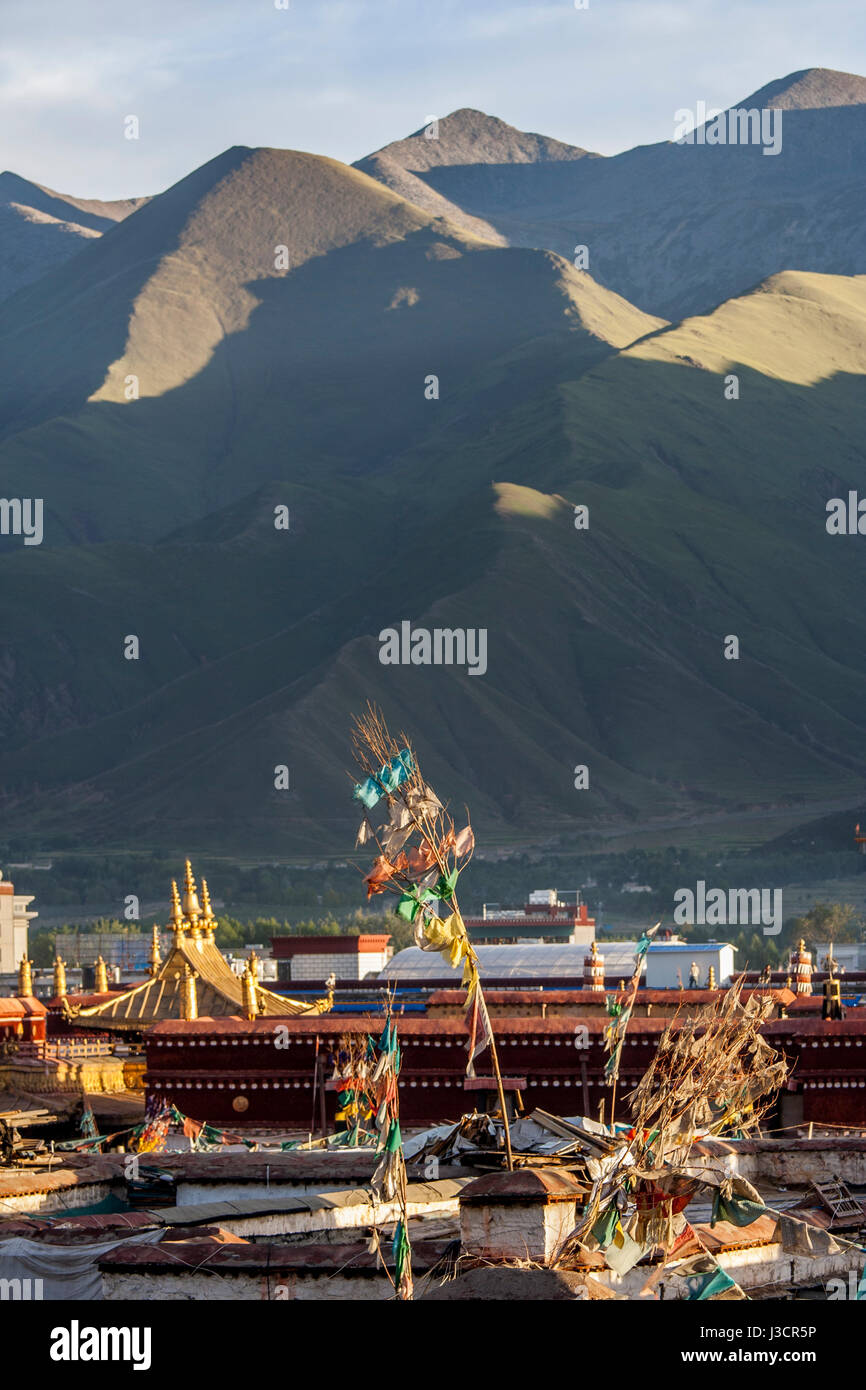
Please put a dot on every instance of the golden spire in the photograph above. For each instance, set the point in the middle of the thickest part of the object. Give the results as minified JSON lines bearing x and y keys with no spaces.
{"x":251,"y":1001}
{"x":155,"y":957}
{"x":191,"y":908}
{"x":25,"y":977}
{"x":101,"y":982}
{"x":253,"y":963}
{"x":188,"y":999}
{"x":208,"y":920}
{"x":59,"y":978}
{"x":175,"y":917}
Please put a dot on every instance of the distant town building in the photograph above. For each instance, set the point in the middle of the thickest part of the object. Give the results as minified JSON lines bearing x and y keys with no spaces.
{"x":14,"y":921}
{"x":666,"y":964}
{"x":316,"y":957}
{"x":548,"y":916}
{"x":848,"y":956}
{"x":669,"y":964}
{"x":238,"y":958}
{"x":128,"y":950}
{"x":562,"y":960}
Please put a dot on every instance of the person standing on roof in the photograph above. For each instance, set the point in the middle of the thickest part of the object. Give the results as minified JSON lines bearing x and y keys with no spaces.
{"x":694,"y":975}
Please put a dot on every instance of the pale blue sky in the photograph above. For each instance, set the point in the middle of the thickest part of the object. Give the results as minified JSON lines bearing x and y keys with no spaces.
{"x":343,"y":77}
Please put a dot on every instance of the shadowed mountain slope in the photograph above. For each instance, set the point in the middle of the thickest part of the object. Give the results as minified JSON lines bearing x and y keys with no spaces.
{"x":673,"y":227}
{"x":605,"y":646}
{"x":40,"y":228}
{"x":183,"y":345}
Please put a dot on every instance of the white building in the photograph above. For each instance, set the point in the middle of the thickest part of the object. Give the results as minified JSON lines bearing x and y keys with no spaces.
{"x":518,"y":961}
{"x":14,"y":920}
{"x":313,"y":959}
{"x":669,"y":964}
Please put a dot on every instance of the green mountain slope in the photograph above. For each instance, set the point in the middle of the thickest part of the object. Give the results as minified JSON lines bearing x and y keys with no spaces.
{"x":305,"y":390}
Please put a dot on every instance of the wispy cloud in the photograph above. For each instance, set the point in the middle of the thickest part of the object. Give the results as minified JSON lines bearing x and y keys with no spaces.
{"x":344,"y":78}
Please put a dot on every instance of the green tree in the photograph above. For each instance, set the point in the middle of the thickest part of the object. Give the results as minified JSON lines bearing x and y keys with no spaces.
{"x":830,"y":922}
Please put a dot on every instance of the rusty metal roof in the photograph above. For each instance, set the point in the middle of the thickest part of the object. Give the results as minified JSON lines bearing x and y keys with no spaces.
{"x":524,"y":1185}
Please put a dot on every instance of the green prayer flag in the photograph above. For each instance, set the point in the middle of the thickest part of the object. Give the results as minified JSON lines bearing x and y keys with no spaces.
{"x":445,"y":886}
{"x":605,"y":1225}
{"x":400,"y":1251}
{"x":703,"y":1287}
{"x":409,"y":904}
{"x":739,"y":1211}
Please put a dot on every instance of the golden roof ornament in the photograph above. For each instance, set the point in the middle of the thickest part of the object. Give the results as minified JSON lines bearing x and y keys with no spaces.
{"x":175,"y":916}
{"x":25,"y":978}
{"x":208,"y":920}
{"x":191,"y":906}
{"x":188,"y":997}
{"x":59,"y":978}
{"x":101,"y":981}
{"x":172,"y":989}
{"x":155,"y":955}
{"x":250,"y":994}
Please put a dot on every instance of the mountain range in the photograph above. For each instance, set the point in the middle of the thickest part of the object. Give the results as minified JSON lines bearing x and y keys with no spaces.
{"x":402,"y":360}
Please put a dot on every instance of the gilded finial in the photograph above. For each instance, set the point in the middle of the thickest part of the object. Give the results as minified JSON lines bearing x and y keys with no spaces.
{"x":250,"y":993}
{"x":191,"y":907}
{"x":25,"y":978}
{"x":155,"y":956}
{"x":101,"y":980}
{"x":188,"y":996}
{"x":176,"y":915}
{"x":59,"y":978}
{"x":208,"y":920}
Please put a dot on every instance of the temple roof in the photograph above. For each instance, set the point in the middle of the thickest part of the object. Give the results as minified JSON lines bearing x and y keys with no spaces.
{"x":219,"y":992}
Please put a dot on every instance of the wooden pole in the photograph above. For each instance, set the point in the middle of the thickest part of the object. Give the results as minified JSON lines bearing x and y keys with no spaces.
{"x":315,"y":1086}
{"x":509,"y":1158}
{"x":322,"y":1111}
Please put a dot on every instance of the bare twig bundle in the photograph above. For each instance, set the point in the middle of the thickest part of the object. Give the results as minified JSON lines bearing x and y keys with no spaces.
{"x":712,"y":1072}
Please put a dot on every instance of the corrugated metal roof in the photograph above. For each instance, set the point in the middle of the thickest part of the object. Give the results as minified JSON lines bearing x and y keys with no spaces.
{"x":513,"y":960}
